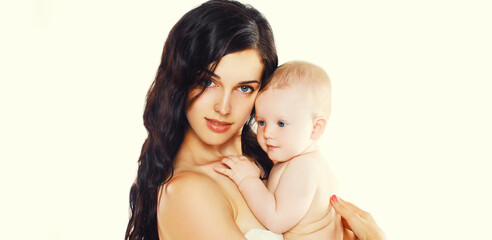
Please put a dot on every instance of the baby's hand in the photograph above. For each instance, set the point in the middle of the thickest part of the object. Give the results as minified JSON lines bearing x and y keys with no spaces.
{"x":239,"y":169}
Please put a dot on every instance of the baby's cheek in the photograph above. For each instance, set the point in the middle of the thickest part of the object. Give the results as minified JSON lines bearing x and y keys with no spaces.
{"x":263,"y":145}
{"x":295,"y":146}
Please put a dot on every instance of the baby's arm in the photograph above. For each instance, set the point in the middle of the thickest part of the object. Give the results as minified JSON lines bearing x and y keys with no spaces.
{"x":282,"y":210}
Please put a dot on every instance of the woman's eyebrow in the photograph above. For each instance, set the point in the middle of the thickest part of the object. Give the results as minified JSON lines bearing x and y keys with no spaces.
{"x":217,"y":77}
{"x":251,"y":81}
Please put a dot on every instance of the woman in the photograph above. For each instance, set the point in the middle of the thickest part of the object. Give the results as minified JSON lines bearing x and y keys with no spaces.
{"x":199,"y":109}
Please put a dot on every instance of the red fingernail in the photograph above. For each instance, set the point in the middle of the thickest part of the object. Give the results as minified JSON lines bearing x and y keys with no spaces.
{"x":334,"y":198}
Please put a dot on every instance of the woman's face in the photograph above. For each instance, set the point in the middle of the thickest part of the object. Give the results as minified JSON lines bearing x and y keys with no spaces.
{"x":220,"y":112}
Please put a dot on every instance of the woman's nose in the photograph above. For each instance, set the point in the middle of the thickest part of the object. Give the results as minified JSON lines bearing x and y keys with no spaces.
{"x":223,"y":104}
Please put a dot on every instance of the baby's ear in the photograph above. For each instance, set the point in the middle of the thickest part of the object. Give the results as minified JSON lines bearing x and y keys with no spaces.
{"x":318,"y":127}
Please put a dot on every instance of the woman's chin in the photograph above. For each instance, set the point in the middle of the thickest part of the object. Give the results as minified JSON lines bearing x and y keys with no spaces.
{"x":219,"y":139}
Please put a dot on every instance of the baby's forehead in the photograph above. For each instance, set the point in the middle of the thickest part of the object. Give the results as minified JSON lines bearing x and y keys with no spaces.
{"x":284,"y":100}
{"x":280,"y":93}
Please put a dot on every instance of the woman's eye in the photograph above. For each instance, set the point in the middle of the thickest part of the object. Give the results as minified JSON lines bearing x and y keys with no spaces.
{"x":246,"y":89}
{"x":261,"y":123}
{"x":281,"y":124}
{"x":208,"y":82}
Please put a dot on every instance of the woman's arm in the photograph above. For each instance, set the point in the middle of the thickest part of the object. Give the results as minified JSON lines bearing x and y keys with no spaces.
{"x":192,"y":206}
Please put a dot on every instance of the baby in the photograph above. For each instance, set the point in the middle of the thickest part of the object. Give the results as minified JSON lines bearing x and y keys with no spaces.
{"x":291,"y":113}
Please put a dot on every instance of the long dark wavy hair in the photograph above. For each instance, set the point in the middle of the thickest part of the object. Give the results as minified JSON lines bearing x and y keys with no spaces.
{"x":198,"y":41}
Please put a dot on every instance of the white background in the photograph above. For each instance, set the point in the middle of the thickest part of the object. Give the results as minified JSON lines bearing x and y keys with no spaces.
{"x":409,"y":138}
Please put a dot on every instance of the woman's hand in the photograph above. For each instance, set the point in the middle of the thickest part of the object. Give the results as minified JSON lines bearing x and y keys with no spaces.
{"x":360,"y":222}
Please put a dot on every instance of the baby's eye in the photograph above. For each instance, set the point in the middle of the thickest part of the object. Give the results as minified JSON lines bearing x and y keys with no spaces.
{"x":246,"y":89}
{"x":261,"y":123}
{"x":281,"y":124}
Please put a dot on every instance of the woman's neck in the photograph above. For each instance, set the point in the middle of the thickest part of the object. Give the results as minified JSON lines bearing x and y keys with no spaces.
{"x":194,"y":152}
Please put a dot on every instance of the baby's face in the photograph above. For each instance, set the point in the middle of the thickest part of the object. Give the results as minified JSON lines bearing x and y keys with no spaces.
{"x":285,"y":122}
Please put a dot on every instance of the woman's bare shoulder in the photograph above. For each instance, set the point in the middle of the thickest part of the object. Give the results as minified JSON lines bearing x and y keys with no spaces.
{"x":194,"y":201}
{"x":188,"y":184}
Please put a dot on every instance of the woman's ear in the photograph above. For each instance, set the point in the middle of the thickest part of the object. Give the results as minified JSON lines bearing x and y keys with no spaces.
{"x":318,"y":127}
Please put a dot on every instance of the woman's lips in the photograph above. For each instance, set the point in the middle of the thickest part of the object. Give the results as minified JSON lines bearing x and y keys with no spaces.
{"x":217,"y":125}
{"x":271,"y":147}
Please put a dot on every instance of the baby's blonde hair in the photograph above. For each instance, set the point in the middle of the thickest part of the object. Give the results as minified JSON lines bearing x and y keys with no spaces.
{"x":305,"y":76}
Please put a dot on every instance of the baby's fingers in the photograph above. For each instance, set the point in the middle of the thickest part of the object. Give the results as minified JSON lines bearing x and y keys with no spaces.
{"x":230,"y":162}
{"x":223,"y":171}
{"x":242,"y":158}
